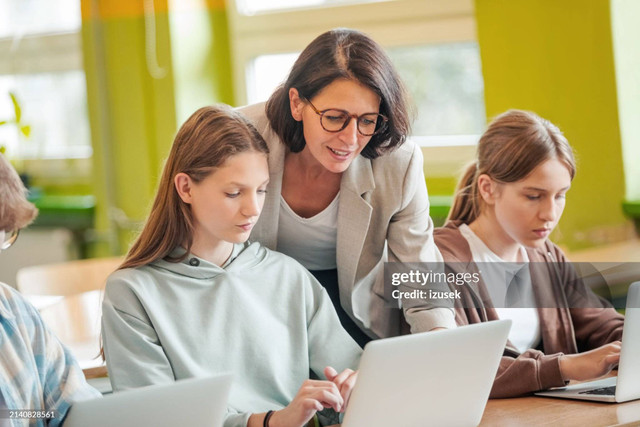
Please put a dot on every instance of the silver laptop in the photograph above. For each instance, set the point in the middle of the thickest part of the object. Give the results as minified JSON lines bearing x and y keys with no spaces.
{"x":196,"y":402}
{"x":627,"y":385}
{"x":433,"y":378}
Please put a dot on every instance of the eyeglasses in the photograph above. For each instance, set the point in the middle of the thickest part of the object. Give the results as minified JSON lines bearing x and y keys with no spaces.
{"x":8,"y":239}
{"x":334,"y":120}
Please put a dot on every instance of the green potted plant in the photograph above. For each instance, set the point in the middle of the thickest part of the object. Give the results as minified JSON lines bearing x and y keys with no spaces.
{"x":23,"y":130}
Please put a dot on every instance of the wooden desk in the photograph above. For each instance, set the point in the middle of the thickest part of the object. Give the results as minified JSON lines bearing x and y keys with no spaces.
{"x":545,"y":411}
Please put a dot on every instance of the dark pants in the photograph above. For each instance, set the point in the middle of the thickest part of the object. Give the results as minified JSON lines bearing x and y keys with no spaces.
{"x":329,"y":279}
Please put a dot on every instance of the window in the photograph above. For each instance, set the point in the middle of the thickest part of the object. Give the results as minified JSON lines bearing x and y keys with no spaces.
{"x":42,"y":65}
{"x":431,"y":42}
{"x":445,"y":82}
{"x":265,"y":73}
{"x":250,"y":7}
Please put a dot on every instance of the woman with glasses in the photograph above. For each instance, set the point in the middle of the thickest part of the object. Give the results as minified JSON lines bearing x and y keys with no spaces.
{"x":347,"y":190}
{"x":37,"y":373}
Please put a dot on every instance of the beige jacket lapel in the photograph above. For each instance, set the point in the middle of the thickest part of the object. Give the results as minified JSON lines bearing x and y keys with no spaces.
{"x":354,"y":215}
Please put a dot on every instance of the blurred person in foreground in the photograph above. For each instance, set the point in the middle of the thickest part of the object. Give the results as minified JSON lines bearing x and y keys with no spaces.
{"x":38,"y":374}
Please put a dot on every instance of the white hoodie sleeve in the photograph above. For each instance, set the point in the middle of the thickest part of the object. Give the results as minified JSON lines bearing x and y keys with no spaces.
{"x":329,"y":344}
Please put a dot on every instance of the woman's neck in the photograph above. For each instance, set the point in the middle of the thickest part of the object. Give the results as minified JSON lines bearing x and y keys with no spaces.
{"x":308,"y":191}
{"x":307,"y":167}
{"x":487,"y":228}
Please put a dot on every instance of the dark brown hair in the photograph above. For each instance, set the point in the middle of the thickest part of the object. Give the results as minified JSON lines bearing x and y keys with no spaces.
{"x":205,"y":141}
{"x":15,"y":211}
{"x":343,"y":54}
{"x":513,"y":145}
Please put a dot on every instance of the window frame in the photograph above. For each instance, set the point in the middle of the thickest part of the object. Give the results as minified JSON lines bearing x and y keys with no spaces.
{"x":392,"y":23}
{"x":42,"y":53}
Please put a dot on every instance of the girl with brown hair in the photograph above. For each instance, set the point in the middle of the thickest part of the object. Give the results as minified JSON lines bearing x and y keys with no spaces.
{"x":506,"y":205}
{"x":194,"y":298}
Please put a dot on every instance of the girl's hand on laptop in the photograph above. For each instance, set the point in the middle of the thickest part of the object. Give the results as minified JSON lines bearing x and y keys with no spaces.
{"x":590,"y":364}
{"x":313,"y":396}
{"x":345,"y":381}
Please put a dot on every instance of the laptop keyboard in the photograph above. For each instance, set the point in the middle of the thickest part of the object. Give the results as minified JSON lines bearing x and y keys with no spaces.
{"x":604,"y":391}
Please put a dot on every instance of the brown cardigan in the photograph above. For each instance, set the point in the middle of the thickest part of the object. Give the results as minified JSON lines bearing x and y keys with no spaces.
{"x":563,"y":330}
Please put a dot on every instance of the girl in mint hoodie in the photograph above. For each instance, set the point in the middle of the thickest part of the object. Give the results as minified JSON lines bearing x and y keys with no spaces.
{"x":194,"y":298}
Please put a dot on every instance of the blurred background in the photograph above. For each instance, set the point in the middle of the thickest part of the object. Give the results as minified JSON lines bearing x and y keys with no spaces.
{"x":93,"y":91}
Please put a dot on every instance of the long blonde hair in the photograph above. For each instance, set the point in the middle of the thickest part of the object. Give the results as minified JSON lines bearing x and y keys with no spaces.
{"x":513,"y":145}
{"x":205,"y":141}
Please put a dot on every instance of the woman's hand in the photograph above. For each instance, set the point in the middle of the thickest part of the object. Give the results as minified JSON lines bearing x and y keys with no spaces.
{"x":345,"y":381}
{"x":313,"y":396}
{"x":591,"y":364}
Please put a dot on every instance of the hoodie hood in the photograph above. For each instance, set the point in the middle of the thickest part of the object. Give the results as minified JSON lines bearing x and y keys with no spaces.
{"x":247,"y":256}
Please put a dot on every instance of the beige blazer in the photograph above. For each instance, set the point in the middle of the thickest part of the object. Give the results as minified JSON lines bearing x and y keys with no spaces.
{"x":383,"y":215}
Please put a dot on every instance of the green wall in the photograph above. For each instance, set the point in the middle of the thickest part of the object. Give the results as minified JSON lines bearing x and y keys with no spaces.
{"x":556,"y":58}
{"x":134,"y":97}
{"x":201,"y":57}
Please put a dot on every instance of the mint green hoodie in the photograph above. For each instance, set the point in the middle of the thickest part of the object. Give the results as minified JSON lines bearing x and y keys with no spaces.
{"x":262,"y":317}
